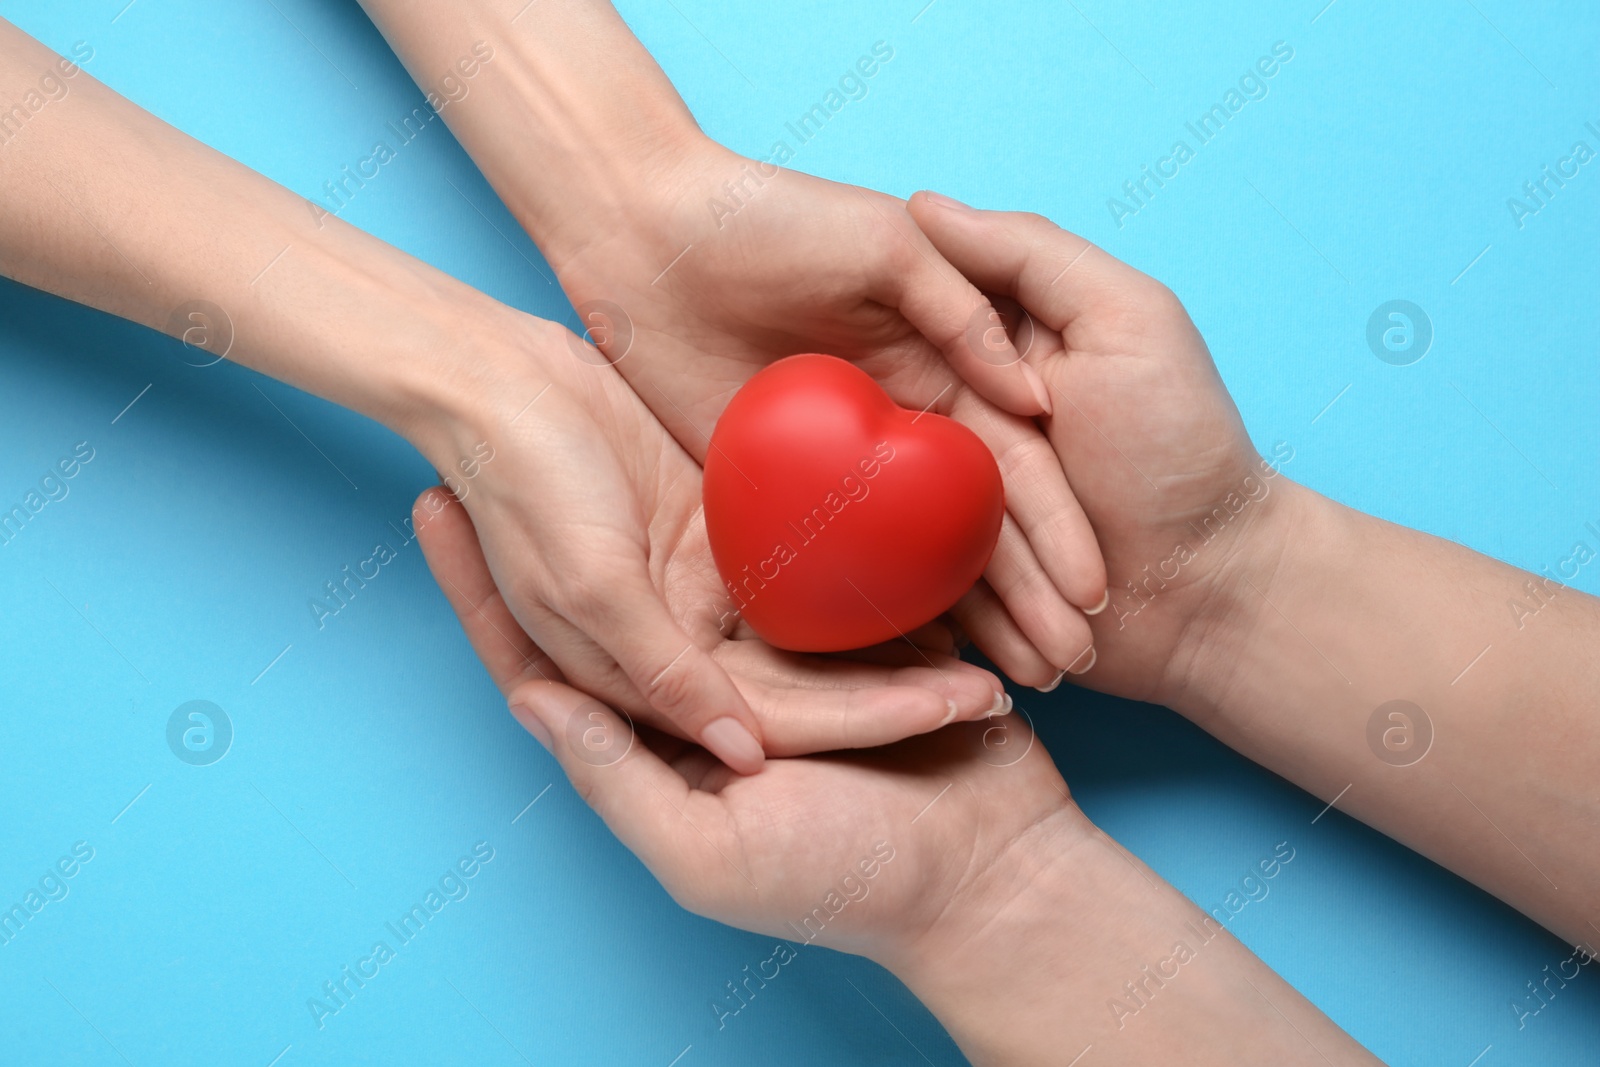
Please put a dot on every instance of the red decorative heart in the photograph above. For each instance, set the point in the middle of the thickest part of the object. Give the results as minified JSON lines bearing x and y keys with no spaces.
{"x":839,"y":519}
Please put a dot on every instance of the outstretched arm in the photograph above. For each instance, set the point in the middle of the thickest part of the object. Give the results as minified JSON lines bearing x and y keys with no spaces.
{"x":1443,"y":697}
{"x":590,"y":510}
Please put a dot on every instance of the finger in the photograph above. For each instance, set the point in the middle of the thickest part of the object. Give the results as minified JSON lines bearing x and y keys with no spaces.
{"x":950,"y":312}
{"x":934,"y":636}
{"x":818,"y":704}
{"x":626,"y":616}
{"x":983,"y":616}
{"x":616,"y":774}
{"x":957,"y":632}
{"x":1059,"y":631}
{"x":450,"y":545}
{"x":1057,"y":533}
{"x":1055,"y":274}
{"x":822,"y":721}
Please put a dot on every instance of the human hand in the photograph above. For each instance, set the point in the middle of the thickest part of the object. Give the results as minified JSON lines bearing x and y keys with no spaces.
{"x":929,"y":818}
{"x":1267,"y":613}
{"x":712,"y":286}
{"x":591,"y":522}
{"x":1158,"y":453}
{"x":956,"y":859}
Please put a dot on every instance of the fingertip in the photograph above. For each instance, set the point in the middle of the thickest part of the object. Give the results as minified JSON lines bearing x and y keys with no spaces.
{"x":1053,"y":684}
{"x":529,"y":721}
{"x":528,"y":705}
{"x":1040,"y":392}
{"x":734,"y":744}
{"x":1081,"y":579}
{"x":429,"y":503}
{"x":938,"y":206}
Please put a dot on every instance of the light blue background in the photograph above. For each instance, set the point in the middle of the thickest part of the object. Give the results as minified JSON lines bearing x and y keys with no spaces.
{"x":374,"y":753}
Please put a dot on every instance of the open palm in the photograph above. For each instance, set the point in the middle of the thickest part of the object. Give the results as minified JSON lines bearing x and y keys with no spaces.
{"x":855,"y":851}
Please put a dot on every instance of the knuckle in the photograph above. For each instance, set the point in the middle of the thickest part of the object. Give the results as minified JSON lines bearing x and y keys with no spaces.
{"x":1021,"y":458}
{"x":1160,"y":296}
{"x":692,"y":895}
{"x":672,"y":686}
{"x":585,"y":596}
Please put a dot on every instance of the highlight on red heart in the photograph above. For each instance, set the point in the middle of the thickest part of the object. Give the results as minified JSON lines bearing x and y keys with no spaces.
{"x":839,"y":519}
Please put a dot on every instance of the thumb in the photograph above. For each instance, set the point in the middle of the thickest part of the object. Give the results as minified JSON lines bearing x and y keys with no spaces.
{"x":1055,"y":274}
{"x":628,"y":619}
{"x":950,"y":312}
{"x":613,"y":770}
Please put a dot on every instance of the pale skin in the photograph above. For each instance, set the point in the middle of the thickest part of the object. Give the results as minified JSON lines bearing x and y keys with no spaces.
{"x":1017,"y":922}
{"x":589,"y":511}
{"x":1289,"y":628}
{"x":1135,"y":373}
{"x":587,"y":143}
{"x":1020,"y":924}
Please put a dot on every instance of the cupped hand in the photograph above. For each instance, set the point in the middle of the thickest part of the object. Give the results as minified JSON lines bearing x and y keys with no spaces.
{"x":1160,"y":459}
{"x":591,"y":523}
{"x":736,"y":263}
{"x":864,"y":852}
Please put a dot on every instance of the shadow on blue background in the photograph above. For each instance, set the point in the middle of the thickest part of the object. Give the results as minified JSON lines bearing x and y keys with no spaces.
{"x":370,"y":755}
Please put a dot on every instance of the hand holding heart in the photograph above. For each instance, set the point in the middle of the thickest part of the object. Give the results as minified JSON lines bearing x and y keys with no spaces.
{"x":819,"y":266}
{"x":708,"y":833}
{"x":1143,"y":423}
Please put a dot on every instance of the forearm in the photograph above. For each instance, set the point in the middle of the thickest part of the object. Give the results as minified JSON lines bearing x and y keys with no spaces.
{"x":109,"y":206}
{"x":1082,"y":949}
{"x":564,"y":111}
{"x":1335,"y":614}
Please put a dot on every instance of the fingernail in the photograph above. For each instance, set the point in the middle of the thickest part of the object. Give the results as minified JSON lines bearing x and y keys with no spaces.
{"x":1087,"y":659}
{"x":950,"y":713}
{"x":1001,"y":706}
{"x":531,"y":723}
{"x":1036,"y":383}
{"x":1051,"y":688}
{"x":1105,"y":602}
{"x":945,"y":201}
{"x":730,"y":742}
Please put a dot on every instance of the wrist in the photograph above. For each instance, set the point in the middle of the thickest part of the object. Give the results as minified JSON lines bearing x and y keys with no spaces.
{"x":1237,"y":599}
{"x":1021,"y":970}
{"x":638,"y":214}
{"x":1000,"y":924}
{"x":479,"y":365}
{"x":600,"y":132}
